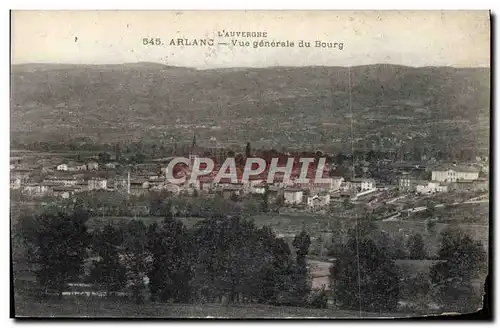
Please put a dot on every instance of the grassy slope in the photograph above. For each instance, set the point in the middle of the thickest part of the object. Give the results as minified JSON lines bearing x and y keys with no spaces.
{"x":105,"y":308}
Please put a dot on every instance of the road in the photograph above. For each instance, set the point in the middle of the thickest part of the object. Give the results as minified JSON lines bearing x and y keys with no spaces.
{"x":476,"y":200}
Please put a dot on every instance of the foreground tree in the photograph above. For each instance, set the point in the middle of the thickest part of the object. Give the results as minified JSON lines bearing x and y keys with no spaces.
{"x":365,"y":276}
{"x":462,"y":261}
{"x":60,"y":244}
{"x":136,"y":258}
{"x":233,"y":261}
{"x":276,"y":276}
{"x":320,"y":299}
{"x":107,"y":272}
{"x":416,"y":247}
{"x":170,"y":271}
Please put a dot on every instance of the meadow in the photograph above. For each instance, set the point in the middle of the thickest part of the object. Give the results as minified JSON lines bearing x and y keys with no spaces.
{"x":471,"y":218}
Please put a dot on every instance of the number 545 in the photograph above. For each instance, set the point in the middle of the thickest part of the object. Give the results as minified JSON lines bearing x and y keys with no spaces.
{"x":151,"y":41}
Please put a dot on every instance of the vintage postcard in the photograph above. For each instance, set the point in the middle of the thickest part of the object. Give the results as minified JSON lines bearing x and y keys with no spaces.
{"x":249,"y":164}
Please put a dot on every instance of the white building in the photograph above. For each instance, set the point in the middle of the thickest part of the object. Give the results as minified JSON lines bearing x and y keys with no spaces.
{"x":293,"y":196}
{"x":61,"y":181}
{"x":111,"y":165}
{"x":15,"y":183}
{"x":62,"y":167}
{"x":318,"y":201}
{"x":63,"y":192}
{"x":258,"y":189}
{"x":97,"y":183}
{"x":361,"y":184}
{"x":454,"y":173}
{"x":77,"y":167}
{"x":92,"y":166}
{"x":332,"y":186}
{"x":431,"y":187}
{"x":35,"y":190}
{"x":336,"y":182}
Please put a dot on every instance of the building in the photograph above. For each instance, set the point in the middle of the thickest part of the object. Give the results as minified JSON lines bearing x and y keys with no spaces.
{"x":92,"y":166}
{"x":229,"y":191}
{"x":324,"y":187}
{"x":97,"y":184}
{"x":74,"y":167}
{"x":407,"y":182}
{"x":22,"y":174}
{"x":80,"y":167}
{"x":431,"y":187}
{"x":258,"y":189}
{"x":35,"y":190}
{"x":82,"y":186}
{"x":454,"y":173}
{"x":362,"y":184}
{"x":336,"y":183}
{"x":63,"y":192}
{"x":480,"y":184}
{"x":65,"y":180}
{"x":255,"y":180}
{"x":293,"y":196}
{"x":62,"y":167}
{"x":139,"y":186}
{"x":111,"y":165}
{"x":120,"y":184}
{"x":47,"y":168}
{"x":193,"y":160}
{"x":156,"y":183}
{"x":15,"y":183}
{"x":318,"y":200}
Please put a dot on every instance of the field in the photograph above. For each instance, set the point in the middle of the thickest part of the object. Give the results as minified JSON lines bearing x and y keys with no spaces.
{"x":90,"y":307}
{"x":472,"y":219}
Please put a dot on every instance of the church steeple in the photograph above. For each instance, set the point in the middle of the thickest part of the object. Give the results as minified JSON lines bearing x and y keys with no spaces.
{"x":248,"y":150}
{"x":193,"y":144}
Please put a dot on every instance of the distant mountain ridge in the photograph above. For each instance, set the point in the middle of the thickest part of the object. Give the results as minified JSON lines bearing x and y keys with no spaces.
{"x":276,"y":105}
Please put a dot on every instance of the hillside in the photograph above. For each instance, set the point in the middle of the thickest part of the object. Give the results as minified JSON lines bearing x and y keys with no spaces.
{"x":278,"y":106}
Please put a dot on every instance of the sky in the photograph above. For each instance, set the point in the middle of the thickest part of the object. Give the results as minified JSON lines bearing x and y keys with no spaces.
{"x":418,"y":38}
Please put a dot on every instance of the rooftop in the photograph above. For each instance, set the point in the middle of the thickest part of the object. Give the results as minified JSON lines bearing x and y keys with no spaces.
{"x":62,"y":188}
{"x":293,"y":190}
{"x":363,"y":180}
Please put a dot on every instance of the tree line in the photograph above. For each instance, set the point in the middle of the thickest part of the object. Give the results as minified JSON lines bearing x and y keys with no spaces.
{"x":231,"y":260}
{"x":219,"y":260}
{"x":138,"y":151}
{"x":104,"y":203}
{"x":365,"y":275}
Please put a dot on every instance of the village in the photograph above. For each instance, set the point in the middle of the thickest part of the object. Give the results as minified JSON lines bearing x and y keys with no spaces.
{"x":381,"y":186}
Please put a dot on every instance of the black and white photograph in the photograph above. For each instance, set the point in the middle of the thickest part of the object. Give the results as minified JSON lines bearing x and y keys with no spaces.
{"x":249,"y":164}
